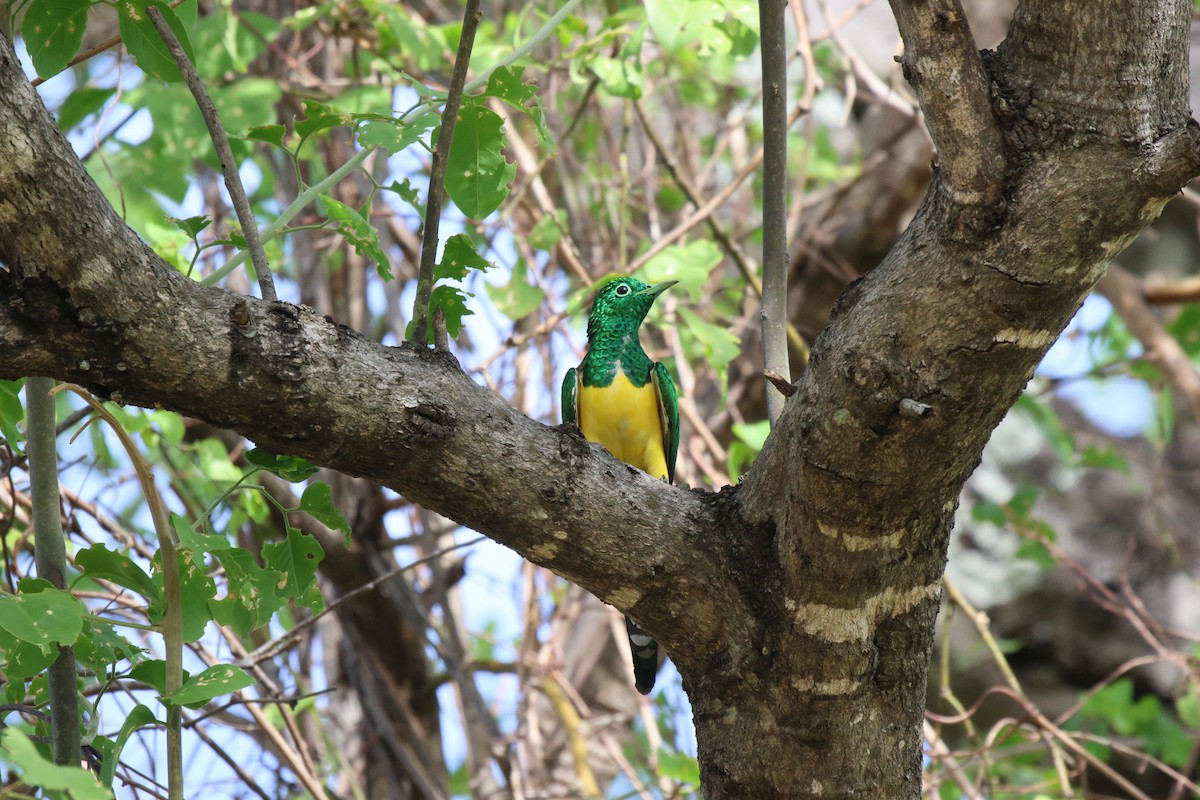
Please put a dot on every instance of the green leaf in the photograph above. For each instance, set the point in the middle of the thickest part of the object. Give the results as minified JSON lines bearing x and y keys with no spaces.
{"x":254,"y":593}
{"x":549,"y":230}
{"x":406,"y":192}
{"x":139,"y":717}
{"x":53,"y":31}
{"x":719,"y":346}
{"x":153,"y":672}
{"x":507,"y":84}
{"x":102,"y":648}
{"x":618,"y":77}
{"x":24,"y":660}
{"x":101,"y":563}
{"x":318,"y":117}
{"x":271,"y":134}
{"x":317,"y":502}
{"x":986,"y":511}
{"x":191,"y":538}
{"x":458,"y":258}
{"x":78,"y":783}
{"x":212,"y":682}
{"x":690,"y":264}
{"x":143,"y":42}
{"x":359,"y":233}
{"x":395,"y":136}
{"x":297,"y":558}
{"x":192,"y":226}
{"x":518,"y":298}
{"x":290,"y":468}
{"x":1023,"y":499}
{"x":80,"y":104}
{"x":1035,"y":551}
{"x":477,"y":173}
{"x":453,"y":302}
{"x":679,"y":767}
{"x":196,"y":589}
{"x":11,"y":412}
{"x":42,"y":618}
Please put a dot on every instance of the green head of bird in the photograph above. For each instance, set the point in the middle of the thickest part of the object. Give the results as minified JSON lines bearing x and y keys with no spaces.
{"x":623,"y":303}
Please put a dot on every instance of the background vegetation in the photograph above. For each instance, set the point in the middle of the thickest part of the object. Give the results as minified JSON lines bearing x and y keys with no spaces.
{"x":338,"y":641}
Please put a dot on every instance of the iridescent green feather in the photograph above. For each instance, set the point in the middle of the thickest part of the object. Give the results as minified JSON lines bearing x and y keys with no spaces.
{"x":668,"y":414}
{"x":570,"y":397}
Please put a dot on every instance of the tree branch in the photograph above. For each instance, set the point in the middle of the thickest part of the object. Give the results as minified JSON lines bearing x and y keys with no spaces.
{"x":943,"y":65}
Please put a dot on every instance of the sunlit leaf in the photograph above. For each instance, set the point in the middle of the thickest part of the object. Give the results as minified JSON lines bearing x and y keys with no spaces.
{"x":99,"y":562}
{"x":317,"y":502}
{"x":36,"y":770}
{"x":477,"y":173}
{"x":359,"y":233}
{"x":43,"y":618}
{"x":297,"y":558}
{"x":143,"y":42}
{"x":212,"y":682}
{"x":458,"y":258}
{"x":53,"y":31}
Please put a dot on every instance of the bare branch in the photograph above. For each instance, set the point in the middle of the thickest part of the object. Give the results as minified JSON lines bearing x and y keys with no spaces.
{"x":775,"y":188}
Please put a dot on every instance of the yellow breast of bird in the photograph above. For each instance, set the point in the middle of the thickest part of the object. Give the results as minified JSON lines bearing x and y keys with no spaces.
{"x":624,"y":418}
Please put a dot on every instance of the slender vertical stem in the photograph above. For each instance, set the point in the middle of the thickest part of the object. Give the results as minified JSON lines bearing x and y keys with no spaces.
{"x":50,"y":555}
{"x":775,"y":264}
{"x":437,"y":174}
{"x":233,"y":181}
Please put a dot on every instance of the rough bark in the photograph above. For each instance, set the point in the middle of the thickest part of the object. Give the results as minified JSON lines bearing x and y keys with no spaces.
{"x":798,"y":606}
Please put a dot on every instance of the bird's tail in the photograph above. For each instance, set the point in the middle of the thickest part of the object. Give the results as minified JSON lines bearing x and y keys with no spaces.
{"x":645,"y":656}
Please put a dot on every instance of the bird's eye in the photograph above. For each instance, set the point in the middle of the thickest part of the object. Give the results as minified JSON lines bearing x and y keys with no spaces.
{"x":622,"y":290}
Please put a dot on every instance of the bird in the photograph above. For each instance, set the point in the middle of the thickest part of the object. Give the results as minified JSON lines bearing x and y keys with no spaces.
{"x":624,"y":401}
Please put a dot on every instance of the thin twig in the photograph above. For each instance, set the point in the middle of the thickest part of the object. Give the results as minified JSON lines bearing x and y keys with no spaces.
{"x":732,"y":248}
{"x":273,"y":647}
{"x":1126,"y":293}
{"x":437,"y":172}
{"x":233,"y":181}
{"x":773,"y":316}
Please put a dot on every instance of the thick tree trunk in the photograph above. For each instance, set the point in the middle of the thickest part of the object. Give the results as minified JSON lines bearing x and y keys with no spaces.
{"x":798,"y":606}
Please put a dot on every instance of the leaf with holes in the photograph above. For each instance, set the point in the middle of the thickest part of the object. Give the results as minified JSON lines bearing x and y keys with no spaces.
{"x":359,"y":233}
{"x":253,"y":595}
{"x":297,"y":558}
{"x":477,"y":173}
{"x":395,"y":136}
{"x":44,"y":617}
{"x":143,"y":42}
{"x":458,"y":258}
{"x":101,"y":563}
{"x":212,"y":682}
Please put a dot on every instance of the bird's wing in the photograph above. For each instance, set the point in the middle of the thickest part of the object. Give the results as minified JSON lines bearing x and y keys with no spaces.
{"x":570,"y":397}
{"x":668,"y":414}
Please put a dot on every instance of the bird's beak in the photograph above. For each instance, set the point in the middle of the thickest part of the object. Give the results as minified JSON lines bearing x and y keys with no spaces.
{"x":658,"y":288}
